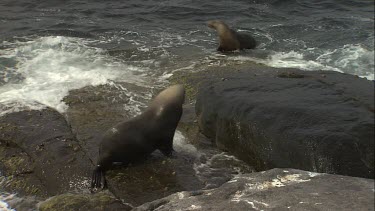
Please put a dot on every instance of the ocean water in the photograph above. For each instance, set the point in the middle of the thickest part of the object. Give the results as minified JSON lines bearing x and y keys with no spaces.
{"x":49,"y":47}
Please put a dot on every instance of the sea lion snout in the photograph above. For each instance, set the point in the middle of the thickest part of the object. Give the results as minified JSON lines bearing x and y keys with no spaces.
{"x":210,"y":24}
{"x":214,"y":23}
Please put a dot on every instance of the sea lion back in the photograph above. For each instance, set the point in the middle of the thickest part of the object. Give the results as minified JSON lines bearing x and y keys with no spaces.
{"x":246,"y":41}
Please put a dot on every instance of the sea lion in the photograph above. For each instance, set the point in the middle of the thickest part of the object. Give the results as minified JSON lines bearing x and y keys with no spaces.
{"x":229,"y":40}
{"x":133,"y":140}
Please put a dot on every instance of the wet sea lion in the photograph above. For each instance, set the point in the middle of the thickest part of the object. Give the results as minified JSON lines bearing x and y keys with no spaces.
{"x":135,"y":139}
{"x":229,"y":40}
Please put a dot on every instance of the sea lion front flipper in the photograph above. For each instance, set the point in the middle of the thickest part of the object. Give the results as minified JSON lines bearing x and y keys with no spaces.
{"x":96,"y":180}
{"x":98,"y":177}
{"x":166,"y":144}
{"x":220,"y":49}
{"x":166,"y":151}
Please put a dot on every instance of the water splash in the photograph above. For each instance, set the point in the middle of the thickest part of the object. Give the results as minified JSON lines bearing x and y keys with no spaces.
{"x":48,"y":67}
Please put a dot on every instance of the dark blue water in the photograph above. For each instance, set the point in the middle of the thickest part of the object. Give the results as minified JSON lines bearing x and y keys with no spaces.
{"x":48,"y":47}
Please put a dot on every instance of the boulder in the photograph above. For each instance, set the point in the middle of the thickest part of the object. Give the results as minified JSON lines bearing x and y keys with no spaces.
{"x":39,"y":155}
{"x":276,"y":189}
{"x":321,"y":121}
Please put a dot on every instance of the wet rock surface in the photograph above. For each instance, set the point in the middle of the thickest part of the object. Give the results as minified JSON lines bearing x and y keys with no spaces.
{"x":40,"y":155}
{"x":156,"y":177}
{"x":276,"y":189}
{"x":82,"y":202}
{"x":318,"y":121}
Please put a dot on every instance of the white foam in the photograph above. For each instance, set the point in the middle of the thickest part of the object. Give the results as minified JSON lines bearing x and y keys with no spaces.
{"x":314,"y":174}
{"x":3,"y":205}
{"x":353,"y":59}
{"x":180,"y":144}
{"x":51,"y":66}
{"x":290,"y":59}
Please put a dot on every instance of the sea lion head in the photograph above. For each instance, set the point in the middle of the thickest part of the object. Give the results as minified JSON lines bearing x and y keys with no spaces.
{"x":173,"y":95}
{"x":167,"y":105}
{"x":228,"y":40}
{"x":218,"y":25}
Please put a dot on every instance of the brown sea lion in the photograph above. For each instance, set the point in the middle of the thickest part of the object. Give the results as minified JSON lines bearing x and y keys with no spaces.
{"x":133,"y":140}
{"x":230,"y":40}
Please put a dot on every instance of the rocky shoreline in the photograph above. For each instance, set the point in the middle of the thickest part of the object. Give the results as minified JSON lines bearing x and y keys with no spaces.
{"x":276,"y":189}
{"x":270,"y":118}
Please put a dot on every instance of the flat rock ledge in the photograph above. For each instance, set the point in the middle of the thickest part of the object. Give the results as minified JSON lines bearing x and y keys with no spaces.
{"x":276,"y":189}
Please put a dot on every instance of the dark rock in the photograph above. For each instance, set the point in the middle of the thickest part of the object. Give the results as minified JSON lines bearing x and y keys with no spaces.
{"x":299,"y":120}
{"x":82,"y":202}
{"x":37,"y":154}
{"x":153,"y":179}
{"x":276,"y":189}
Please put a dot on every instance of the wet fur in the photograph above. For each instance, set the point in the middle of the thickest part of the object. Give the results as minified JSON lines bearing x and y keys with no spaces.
{"x":135,"y":139}
{"x":229,"y":40}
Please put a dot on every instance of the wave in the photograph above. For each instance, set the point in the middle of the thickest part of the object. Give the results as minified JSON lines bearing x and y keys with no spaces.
{"x":48,"y":67}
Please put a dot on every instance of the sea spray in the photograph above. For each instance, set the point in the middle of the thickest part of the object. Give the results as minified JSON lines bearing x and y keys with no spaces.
{"x":48,"y":67}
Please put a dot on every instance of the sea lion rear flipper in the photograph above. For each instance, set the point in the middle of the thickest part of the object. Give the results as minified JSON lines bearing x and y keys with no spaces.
{"x":97,"y":176}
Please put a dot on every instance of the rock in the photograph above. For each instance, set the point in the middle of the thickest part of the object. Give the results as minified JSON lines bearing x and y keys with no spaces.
{"x":11,"y":202}
{"x":276,"y":189}
{"x":152,"y":179}
{"x":82,"y":202}
{"x":37,"y":155}
{"x":290,"y":118}
{"x":189,"y":127}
